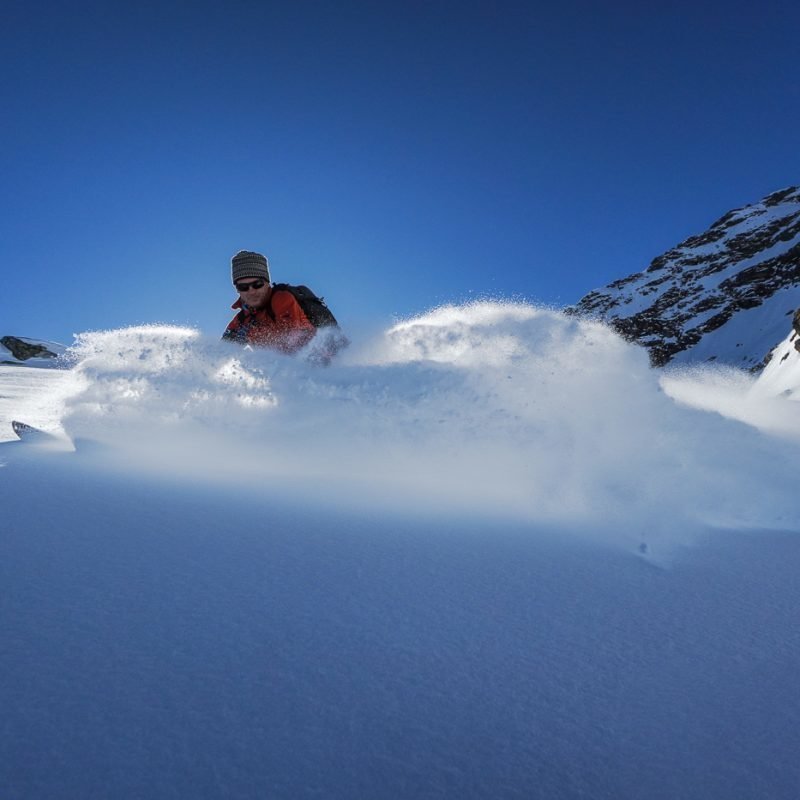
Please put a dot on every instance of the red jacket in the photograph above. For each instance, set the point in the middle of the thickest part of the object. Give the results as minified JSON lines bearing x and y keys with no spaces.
{"x":281,"y":324}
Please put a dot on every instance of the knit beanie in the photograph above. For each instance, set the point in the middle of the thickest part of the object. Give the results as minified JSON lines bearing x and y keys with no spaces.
{"x":246,"y":264}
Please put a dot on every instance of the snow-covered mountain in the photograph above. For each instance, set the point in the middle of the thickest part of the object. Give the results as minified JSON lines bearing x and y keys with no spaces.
{"x":726,"y":295}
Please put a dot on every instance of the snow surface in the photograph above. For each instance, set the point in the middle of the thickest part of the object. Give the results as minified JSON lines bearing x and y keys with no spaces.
{"x":489,"y":553}
{"x":781,"y":376}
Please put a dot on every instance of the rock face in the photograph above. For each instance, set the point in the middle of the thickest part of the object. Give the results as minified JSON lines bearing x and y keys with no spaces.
{"x":16,"y":350}
{"x":725,"y":295}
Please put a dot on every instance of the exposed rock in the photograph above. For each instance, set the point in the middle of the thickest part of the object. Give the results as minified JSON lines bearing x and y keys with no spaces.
{"x":722,"y":295}
{"x":22,"y":350}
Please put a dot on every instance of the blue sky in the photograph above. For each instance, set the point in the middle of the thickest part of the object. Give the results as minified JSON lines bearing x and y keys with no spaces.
{"x":392,"y":156}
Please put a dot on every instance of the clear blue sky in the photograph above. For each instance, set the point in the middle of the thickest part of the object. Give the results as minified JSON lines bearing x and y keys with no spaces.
{"x":393,"y":156}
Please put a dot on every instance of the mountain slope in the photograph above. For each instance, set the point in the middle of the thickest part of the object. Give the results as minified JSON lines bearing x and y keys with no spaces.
{"x":725,"y":295}
{"x":781,"y":376}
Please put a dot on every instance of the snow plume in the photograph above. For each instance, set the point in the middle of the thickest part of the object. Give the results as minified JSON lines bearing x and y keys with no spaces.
{"x":737,"y":395}
{"x":485,"y":409}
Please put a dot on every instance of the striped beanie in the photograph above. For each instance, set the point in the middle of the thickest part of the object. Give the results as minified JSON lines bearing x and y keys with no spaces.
{"x":246,"y":264}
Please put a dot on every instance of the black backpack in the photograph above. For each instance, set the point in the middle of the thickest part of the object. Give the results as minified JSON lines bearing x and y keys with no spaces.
{"x":319,"y":315}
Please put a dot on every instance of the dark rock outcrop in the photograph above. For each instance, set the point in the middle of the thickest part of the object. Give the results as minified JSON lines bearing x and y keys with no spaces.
{"x":22,"y":350}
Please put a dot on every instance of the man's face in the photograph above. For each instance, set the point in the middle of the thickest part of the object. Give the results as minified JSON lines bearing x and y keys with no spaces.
{"x":253,"y":291}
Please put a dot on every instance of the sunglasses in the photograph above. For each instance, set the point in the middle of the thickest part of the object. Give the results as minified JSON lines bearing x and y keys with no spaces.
{"x":245,"y":287}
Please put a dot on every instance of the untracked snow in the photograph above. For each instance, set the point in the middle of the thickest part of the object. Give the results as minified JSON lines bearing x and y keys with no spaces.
{"x":489,"y":552}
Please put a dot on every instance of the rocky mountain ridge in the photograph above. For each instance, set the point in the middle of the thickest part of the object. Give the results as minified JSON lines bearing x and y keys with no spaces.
{"x":725,"y":295}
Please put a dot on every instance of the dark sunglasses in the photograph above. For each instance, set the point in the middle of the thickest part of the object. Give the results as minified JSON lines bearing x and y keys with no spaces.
{"x":245,"y":287}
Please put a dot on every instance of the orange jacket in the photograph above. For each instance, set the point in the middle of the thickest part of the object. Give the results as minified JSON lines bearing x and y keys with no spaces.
{"x":281,"y":324}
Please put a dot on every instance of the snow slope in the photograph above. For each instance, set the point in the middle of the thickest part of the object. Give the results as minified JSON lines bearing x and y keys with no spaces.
{"x":782,"y":374}
{"x":490,"y":553}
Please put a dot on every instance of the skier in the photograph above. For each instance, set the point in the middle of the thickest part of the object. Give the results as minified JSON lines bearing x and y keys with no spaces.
{"x":281,"y":317}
